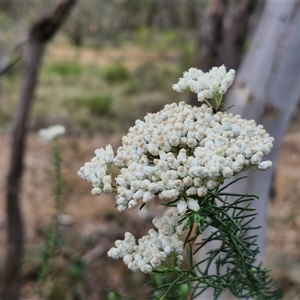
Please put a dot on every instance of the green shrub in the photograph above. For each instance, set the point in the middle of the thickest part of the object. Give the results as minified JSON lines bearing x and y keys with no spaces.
{"x":114,"y":296}
{"x":64,"y":69}
{"x":131,"y":88}
{"x":188,"y":52}
{"x":143,"y":36}
{"x":97,"y":104}
{"x":166,"y":41}
{"x":116,"y":72}
{"x":150,"y":76}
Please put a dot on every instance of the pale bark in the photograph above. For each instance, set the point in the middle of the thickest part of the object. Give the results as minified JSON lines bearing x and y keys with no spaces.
{"x":267,"y":89}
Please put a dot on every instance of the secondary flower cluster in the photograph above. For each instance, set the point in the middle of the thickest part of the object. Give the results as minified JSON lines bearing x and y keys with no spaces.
{"x":153,"y":248}
{"x":96,"y":171}
{"x":52,"y":132}
{"x":205,"y":85}
{"x":179,"y":151}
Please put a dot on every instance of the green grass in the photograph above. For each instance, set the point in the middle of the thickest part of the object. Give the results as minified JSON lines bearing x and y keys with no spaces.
{"x":93,"y":98}
{"x":64,"y":69}
{"x":143,"y":37}
{"x":97,"y":104}
{"x":68,"y":70}
{"x":116,"y":72}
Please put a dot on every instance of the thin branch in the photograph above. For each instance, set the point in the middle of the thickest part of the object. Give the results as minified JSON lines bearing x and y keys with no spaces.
{"x":16,"y":55}
{"x":9,"y":65}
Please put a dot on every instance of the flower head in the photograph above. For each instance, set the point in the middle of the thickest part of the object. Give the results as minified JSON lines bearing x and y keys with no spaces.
{"x":210,"y":85}
{"x":179,"y":152}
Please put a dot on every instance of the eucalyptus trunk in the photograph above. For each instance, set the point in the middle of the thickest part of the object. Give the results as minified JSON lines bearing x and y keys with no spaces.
{"x":267,"y":89}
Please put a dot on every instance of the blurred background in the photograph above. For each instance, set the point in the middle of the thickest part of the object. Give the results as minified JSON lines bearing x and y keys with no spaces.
{"x":110,"y":64}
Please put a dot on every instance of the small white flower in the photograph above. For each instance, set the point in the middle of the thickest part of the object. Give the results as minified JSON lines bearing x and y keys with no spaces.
{"x":96,"y":191}
{"x":132,"y":204}
{"x":265,"y":165}
{"x":193,"y":204}
{"x":191,"y":191}
{"x":201,"y":191}
{"x":146,"y":269}
{"x":212,"y":184}
{"x":256,"y":158}
{"x":107,"y":179}
{"x":96,"y":182}
{"x":182,"y":207}
{"x":127,"y":259}
{"x":52,"y":132}
{"x":107,"y":188}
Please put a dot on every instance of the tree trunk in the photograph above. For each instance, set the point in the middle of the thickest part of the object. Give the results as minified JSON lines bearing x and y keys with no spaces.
{"x":211,"y":35}
{"x":41,"y":32}
{"x":223,"y":34}
{"x":15,"y":226}
{"x":267,"y":89}
{"x":234,"y":32}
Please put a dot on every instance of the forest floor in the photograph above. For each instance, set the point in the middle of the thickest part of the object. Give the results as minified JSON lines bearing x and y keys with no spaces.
{"x":89,"y":225}
{"x":283,"y":235}
{"x":89,"y":221}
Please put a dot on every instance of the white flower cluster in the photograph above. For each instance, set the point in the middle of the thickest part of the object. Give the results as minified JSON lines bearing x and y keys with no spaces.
{"x":96,"y":171}
{"x":180,"y":153}
{"x":52,"y":132}
{"x":153,"y":248}
{"x":205,"y":85}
